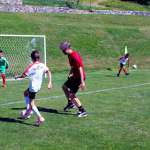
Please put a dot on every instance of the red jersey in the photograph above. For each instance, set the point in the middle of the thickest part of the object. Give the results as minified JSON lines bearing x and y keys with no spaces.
{"x":75,"y":62}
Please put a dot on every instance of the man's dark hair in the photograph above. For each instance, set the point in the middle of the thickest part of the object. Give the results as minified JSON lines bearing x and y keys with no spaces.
{"x":35,"y":55}
{"x":127,"y":55}
{"x":64,"y":45}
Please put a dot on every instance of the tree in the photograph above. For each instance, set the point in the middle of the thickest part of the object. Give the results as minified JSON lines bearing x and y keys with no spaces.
{"x":142,"y":2}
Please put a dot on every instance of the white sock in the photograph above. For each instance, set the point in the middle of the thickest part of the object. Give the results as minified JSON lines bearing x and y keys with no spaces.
{"x":27,"y":101}
{"x":36,"y":111}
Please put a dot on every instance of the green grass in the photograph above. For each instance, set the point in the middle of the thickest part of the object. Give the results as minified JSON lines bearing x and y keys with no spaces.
{"x":118,"y":118}
{"x":99,"y":38}
{"x":93,"y":4}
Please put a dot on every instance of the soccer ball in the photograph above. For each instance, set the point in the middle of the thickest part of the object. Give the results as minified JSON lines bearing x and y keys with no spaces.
{"x":134,"y":66}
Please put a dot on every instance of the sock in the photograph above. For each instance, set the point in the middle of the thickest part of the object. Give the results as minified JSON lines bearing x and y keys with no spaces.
{"x":3,"y":78}
{"x":119,"y":71}
{"x":36,"y":111}
{"x":81,"y":109}
{"x":27,"y":101}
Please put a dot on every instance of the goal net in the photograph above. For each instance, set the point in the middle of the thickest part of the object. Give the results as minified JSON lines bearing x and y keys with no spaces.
{"x":17,"y":50}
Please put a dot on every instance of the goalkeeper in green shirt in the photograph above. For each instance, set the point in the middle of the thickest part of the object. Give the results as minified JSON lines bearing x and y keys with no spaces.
{"x":3,"y":68}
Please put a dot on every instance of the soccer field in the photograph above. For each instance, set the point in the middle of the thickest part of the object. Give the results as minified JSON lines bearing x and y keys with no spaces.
{"x":118,"y":117}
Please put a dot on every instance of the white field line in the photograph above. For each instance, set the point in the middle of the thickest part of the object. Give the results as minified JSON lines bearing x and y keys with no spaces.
{"x":83,"y":93}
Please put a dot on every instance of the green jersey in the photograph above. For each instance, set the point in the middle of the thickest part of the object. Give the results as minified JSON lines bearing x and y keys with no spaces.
{"x":3,"y":64}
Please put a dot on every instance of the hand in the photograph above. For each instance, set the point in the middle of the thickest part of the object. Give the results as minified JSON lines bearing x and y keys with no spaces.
{"x":82,"y":86}
{"x":18,"y":78}
{"x":49,"y":86}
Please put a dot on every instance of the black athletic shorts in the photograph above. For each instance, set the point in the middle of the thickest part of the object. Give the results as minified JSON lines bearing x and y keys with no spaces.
{"x":73,"y":84}
{"x":32,"y":94}
{"x":121,"y":65}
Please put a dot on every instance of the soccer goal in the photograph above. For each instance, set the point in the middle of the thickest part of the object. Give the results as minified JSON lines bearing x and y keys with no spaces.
{"x":17,"y":50}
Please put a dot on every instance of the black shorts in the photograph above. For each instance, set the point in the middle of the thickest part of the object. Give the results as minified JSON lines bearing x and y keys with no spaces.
{"x":73,"y":84}
{"x":32,"y":94}
{"x":121,"y":65}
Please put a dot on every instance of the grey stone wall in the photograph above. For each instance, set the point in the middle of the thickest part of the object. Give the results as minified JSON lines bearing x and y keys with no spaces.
{"x":11,"y":2}
{"x":39,"y":9}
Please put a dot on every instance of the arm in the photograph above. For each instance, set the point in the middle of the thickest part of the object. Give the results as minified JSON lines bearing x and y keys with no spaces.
{"x":82,"y":85}
{"x":70,"y":73}
{"x":7,"y":65}
{"x":20,"y":76}
{"x":48,"y":72}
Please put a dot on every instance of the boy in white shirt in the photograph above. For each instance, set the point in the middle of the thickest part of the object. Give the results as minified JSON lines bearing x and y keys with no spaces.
{"x":35,"y":71}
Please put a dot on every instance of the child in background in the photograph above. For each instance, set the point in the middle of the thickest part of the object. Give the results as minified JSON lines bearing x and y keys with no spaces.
{"x":123,"y":61}
{"x":3,"y":68}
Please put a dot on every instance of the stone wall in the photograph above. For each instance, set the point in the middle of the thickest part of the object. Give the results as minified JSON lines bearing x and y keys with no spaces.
{"x":39,"y":9}
{"x":11,"y":2}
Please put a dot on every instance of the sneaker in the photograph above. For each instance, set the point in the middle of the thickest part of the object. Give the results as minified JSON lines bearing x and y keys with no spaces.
{"x":69,"y":106}
{"x":26,"y":114}
{"x":127,"y":74}
{"x":39,"y":121}
{"x":117,"y":74}
{"x":29,"y":114}
{"x":82,"y":114}
{"x":4,"y":85}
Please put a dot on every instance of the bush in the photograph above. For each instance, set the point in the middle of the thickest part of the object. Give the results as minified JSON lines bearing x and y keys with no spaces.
{"x":142,"y":2}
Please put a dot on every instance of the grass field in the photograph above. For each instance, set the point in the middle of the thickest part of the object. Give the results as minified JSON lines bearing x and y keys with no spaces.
{"x":118,"y":107}
{"x":118,"y":115}
{"x":96,"y":37}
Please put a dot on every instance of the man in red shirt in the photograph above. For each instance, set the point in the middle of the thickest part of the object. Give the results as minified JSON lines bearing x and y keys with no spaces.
{"x":76,"y":79}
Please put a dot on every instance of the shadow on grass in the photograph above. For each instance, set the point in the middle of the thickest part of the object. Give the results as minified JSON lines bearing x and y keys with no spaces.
{"x":49,"y":110}
{"x":13,"y":120}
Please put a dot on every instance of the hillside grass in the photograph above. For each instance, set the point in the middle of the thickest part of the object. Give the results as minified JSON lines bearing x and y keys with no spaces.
{"x":99,"y":38}
{"x":91,"y":4}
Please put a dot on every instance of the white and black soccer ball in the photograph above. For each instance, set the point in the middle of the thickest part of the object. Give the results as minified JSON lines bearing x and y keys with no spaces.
{"x":134,"y":66}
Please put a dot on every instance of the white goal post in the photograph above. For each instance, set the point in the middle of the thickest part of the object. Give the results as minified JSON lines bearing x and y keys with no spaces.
{"x":17,"y":50}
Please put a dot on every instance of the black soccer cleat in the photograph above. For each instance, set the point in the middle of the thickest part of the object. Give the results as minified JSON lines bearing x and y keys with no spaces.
{"x":82,"y":114}
{"x":69,"y":106}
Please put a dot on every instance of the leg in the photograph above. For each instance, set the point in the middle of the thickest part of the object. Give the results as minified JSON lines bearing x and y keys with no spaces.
{"x":76,"y":101}
{"x":125,"y":71}
{"x":27,"y":99}
{"x":120,"y":69}
{"x":67,"y":94}
{"x":40,"y":119}
{"x":26,"y":114}
{"x":3,"y":80}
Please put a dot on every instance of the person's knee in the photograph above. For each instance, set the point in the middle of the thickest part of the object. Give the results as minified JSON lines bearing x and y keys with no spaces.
{"x":72,"y":96}
{"x":64,"y":87}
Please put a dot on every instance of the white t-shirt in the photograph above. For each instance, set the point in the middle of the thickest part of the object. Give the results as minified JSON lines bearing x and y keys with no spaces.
{"x":123,"y":60}
{"x":35,"y":72}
